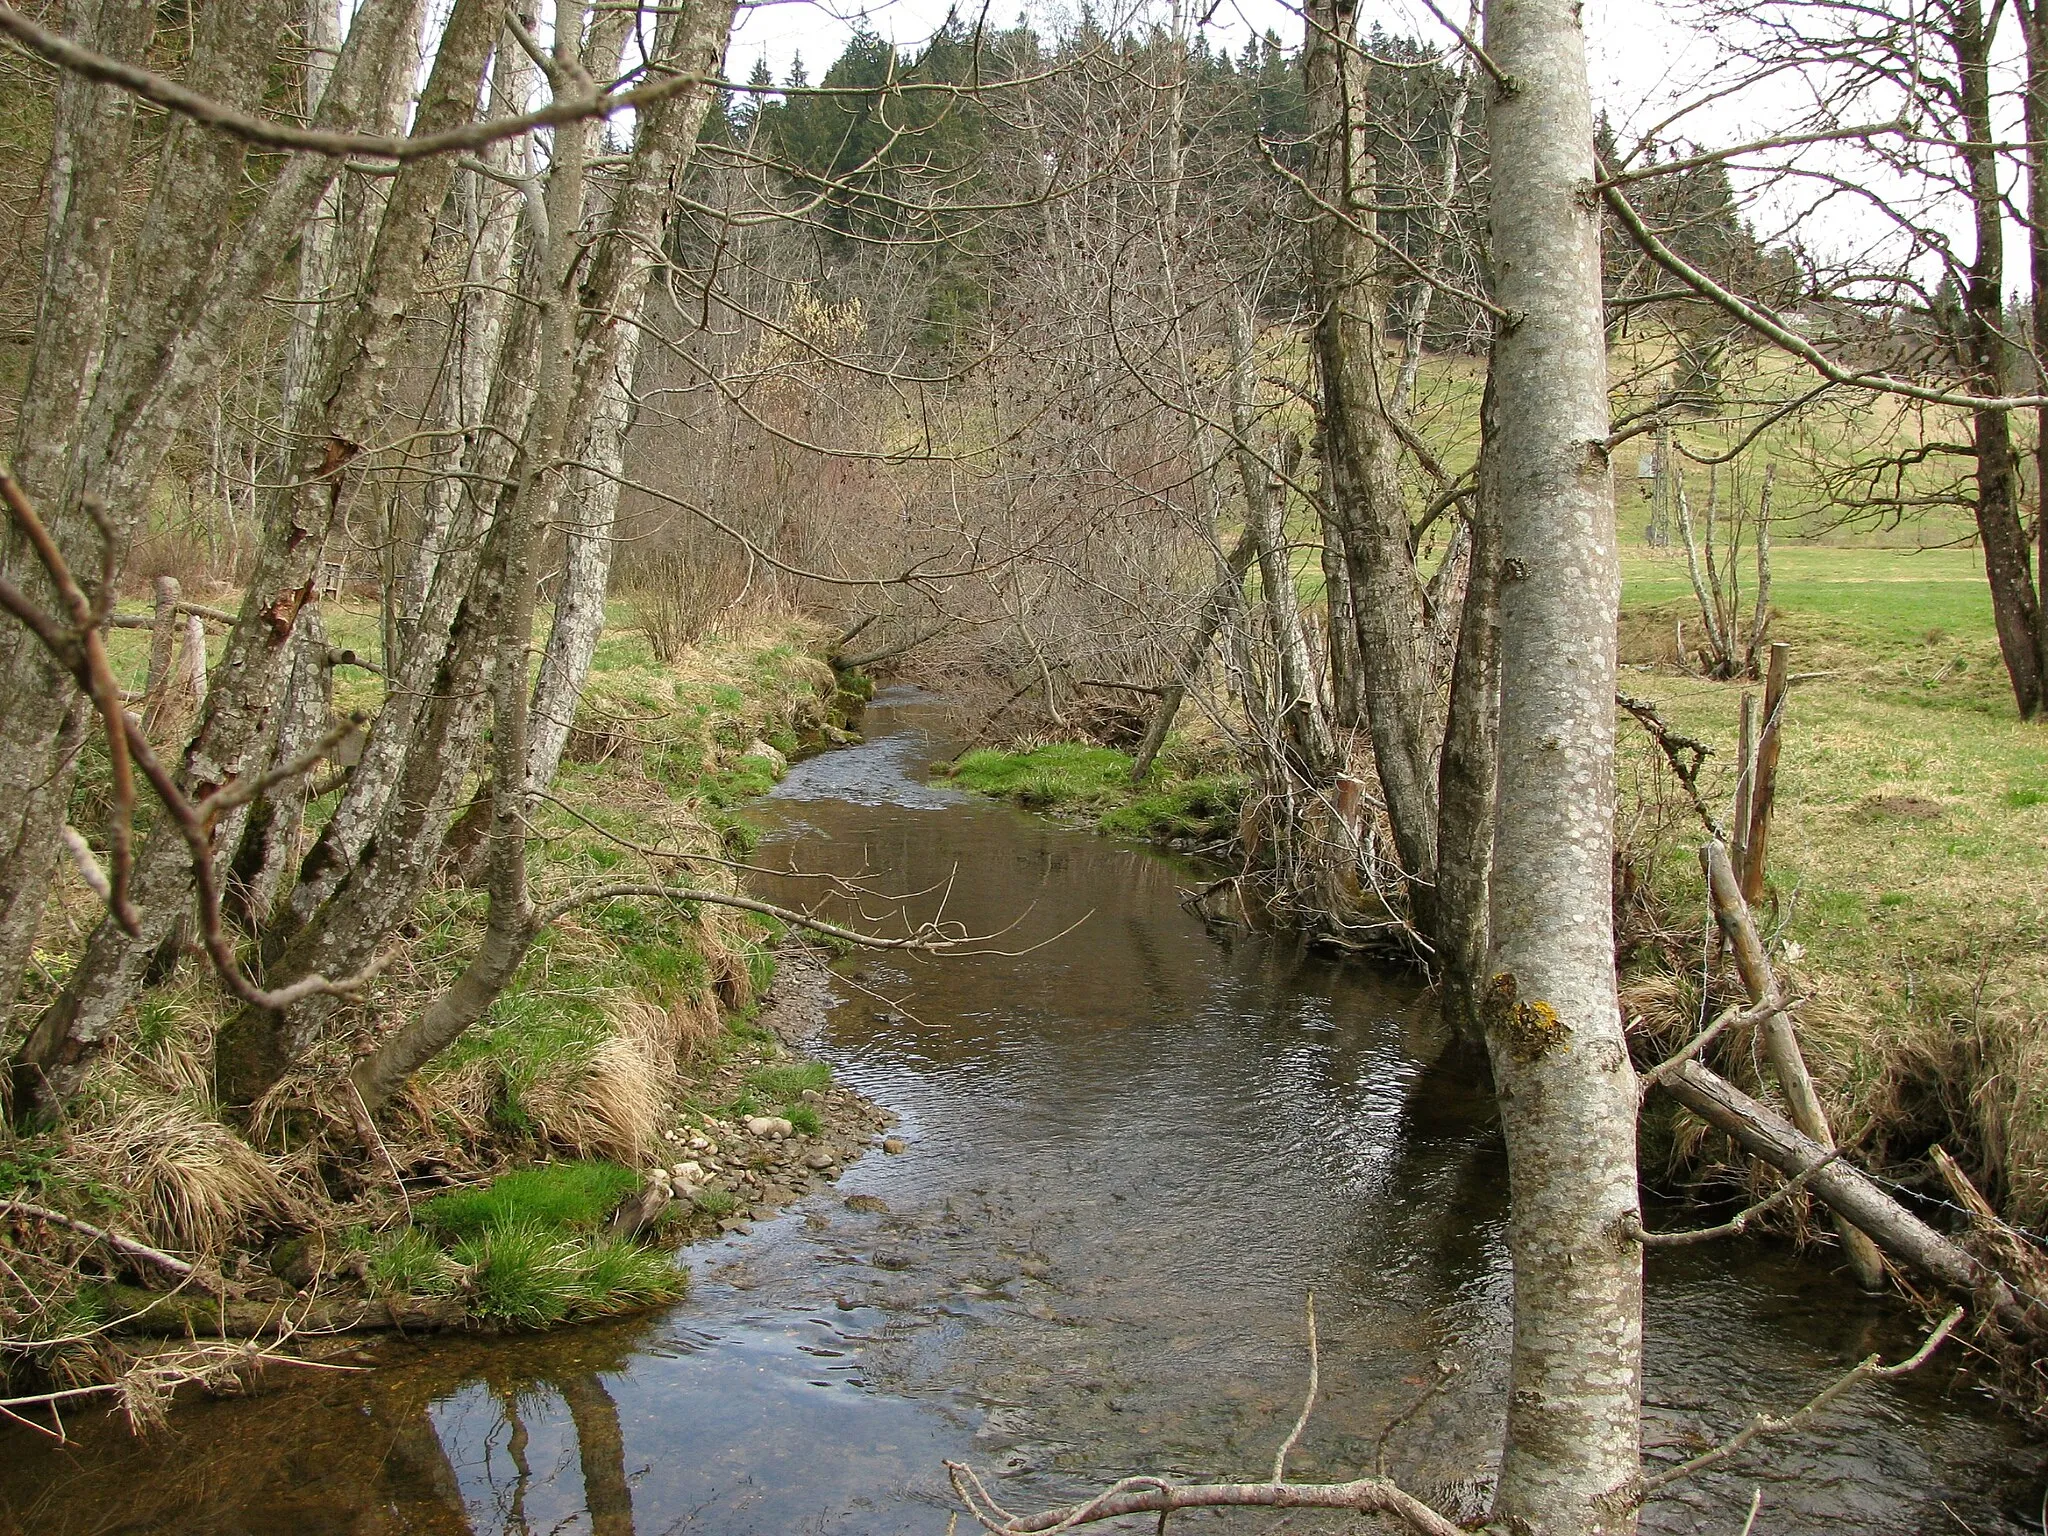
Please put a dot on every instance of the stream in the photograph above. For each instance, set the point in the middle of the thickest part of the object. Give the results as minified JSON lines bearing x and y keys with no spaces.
{"x":1132,"y":1151}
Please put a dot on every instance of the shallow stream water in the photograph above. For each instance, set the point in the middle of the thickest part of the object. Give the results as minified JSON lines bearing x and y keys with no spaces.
{"x":1131,"y":1153}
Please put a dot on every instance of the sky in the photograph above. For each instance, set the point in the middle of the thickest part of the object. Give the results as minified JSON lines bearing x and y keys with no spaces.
{"x":1635,"y":46}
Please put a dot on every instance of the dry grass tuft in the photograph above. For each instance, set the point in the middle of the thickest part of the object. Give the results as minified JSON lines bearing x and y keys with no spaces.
{"x":611,"y":1105}
{"x":193,"y":1185}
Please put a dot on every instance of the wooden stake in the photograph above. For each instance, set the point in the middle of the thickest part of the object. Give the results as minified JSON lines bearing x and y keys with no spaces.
{"x":1763,"y":795}
{"x":1745,"y":786}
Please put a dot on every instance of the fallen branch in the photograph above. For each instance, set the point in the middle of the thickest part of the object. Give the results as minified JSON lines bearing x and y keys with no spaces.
{"x":1763,"y":1133}
{"x":1867,"y":1369}
{"x":126,"y":1246}
{"x":1155,"y":1495}
{"x":1735,"y":1225}
{"x":148,"y":620}
{"x":178,"y":1316}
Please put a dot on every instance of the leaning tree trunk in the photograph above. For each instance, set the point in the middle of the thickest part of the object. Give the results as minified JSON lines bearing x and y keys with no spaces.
{"x":1566,"y":1088}
{"x":607,"y":354}
{"x":72,"y":1031}
{"x":1362,"y":448}
{"x":1216,"y":606}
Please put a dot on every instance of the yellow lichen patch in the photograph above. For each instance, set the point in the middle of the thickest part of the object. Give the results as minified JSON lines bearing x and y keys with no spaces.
{"x":1528,"y":1029}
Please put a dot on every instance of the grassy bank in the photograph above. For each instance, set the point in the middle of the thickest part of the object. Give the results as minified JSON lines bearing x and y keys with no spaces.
{"x":1908,"y":852}
{"x":632,"y":1041}
{"x":1185,"y":800}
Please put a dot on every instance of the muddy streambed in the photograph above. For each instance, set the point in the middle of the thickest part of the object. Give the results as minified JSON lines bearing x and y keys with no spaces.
{"x":1130,"y":1153}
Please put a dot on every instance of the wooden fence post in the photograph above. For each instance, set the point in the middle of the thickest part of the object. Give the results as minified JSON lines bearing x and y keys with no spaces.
{"x":1764,"y":791}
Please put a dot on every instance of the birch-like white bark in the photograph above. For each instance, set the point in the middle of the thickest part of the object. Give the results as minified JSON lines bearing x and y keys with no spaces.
{"x":1566,"y":1087}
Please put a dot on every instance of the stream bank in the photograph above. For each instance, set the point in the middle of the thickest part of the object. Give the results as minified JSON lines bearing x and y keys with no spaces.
{"x":484,"y":1196}
{"x":1128,"y":1154}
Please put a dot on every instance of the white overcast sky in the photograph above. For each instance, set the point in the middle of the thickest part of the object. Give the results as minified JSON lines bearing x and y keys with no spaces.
{"x":1635,"y":45}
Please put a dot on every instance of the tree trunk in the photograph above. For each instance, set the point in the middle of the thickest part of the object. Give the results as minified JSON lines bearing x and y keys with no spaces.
{"x":1365,"y":501}
{"x":2015,"y":605}
{"x":1301,"y":710}
{"x":1466,"y":786}
{"x":612,"y":297}
{"x":1567,"y":1091}
{"x":238,"y":715}
{"x":269,"y":834}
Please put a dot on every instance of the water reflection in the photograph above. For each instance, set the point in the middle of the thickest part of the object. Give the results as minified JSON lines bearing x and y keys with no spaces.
{"x":1131,"y":1153}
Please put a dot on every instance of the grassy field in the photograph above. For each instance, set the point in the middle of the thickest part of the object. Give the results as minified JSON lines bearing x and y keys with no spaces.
{"x":1909,"y":849}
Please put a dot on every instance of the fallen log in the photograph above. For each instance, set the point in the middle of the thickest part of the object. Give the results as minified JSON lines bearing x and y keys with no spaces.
{"x":1909,"y":1241}
{"x":161,"y":1314}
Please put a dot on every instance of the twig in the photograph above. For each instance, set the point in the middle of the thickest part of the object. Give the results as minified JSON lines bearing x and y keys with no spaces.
{"x":1149,"y":1495}
{"x":1676,"y":749}
{"x":1866,"y":1369}
{"x":1155,"y":1495}
{"x":114,"y":1240}
{"x":1735,"y":1225}
{"x":1730,"y":1017}
{"x":1308,"y":1403}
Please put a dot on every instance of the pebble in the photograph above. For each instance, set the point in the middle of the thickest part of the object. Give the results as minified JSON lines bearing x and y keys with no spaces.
{"x":820,"y":1160}
{"x":874,"y":1205}
{"x":772,"y":1126}
{"x":896,"y":1258}
{"x":812,"y":1096}
{"x":895,"y":1144}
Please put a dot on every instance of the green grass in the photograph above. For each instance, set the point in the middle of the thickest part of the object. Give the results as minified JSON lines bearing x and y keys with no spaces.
{"x":784,"y":1081}
{"x":572,"y":1195}
{"x":1096,"y":780}
{"x":522,"y":1274}
{"x":523,"y":1249}
{"x":408,"y":1262}
{"x":805,"y":1119}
